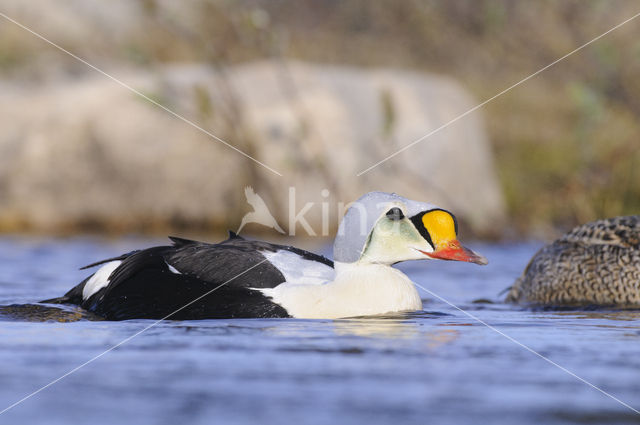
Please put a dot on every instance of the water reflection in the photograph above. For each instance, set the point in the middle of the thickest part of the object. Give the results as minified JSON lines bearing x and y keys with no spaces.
{"x":625,"y":315}
{"x":377,"y":328}
{"x":392,"y":328}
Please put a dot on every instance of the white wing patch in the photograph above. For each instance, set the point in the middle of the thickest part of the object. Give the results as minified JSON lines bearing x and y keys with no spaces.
{"x":298,"y":270}
{"x":171,"y":268}
{"x":99,"y":280}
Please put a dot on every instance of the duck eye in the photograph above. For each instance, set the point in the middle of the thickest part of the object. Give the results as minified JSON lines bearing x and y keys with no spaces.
{"x":395,"y":213}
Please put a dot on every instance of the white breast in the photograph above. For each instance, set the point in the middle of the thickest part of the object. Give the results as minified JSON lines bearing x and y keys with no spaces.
{"x":358,"y":290}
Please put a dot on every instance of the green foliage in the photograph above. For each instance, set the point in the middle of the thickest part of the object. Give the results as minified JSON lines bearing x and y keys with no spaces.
{"x":388,"y":113}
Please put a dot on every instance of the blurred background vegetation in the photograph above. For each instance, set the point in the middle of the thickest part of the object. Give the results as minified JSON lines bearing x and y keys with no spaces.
{"x":566,"y":143}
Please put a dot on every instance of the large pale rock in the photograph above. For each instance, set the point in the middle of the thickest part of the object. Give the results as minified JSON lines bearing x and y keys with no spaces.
{"x":89,"y":152}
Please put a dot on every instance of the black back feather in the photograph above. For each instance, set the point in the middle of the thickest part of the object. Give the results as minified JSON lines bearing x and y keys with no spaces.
{"x":213,"y":281}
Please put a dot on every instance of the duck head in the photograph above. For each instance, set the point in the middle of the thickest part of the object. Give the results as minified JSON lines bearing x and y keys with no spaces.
{"x":386,"y":228}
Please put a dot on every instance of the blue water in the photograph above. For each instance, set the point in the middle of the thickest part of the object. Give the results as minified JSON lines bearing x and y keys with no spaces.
{"x":437,"y":366}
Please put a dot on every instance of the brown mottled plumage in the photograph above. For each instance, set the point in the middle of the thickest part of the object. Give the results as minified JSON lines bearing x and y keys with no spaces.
{"x":596,"y":263}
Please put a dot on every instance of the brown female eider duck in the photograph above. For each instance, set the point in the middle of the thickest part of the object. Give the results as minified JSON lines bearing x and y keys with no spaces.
{"x":597,"y":263}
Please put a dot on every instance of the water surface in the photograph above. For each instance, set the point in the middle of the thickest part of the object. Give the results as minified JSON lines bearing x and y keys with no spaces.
{"x":435,"y":366}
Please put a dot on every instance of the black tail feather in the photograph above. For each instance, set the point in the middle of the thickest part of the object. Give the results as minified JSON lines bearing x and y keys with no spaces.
{"x":108,"y":260}
{"x":59,"y":300}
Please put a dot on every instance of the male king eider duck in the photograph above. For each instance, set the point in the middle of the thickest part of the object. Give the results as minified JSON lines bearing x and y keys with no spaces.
{"x":594,"y":264}
{"x":243,"y":278}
